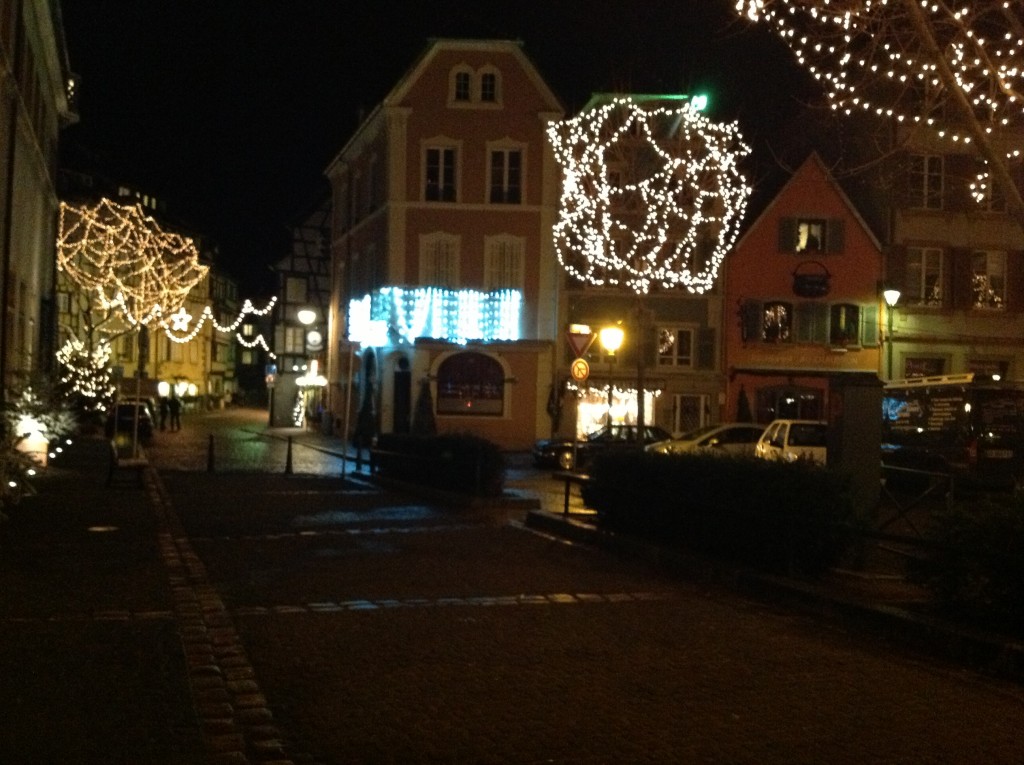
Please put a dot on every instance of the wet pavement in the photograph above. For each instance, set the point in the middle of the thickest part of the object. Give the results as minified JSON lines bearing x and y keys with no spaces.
{"x":235,"y":610}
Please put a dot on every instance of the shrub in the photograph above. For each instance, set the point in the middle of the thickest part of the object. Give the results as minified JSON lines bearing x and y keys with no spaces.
{"x":781,"y":517}
{"x":461,"y":463}
{"x":977,"y":568}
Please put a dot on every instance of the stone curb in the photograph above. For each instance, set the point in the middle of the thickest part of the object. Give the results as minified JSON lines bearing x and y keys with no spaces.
{"x":979,"y":651}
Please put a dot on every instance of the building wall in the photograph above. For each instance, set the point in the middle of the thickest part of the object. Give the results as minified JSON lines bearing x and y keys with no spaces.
{"x":34,"y":105}
{"x":381,"y":216}
{"x":764,"y":268}
{"x":952,"y":334}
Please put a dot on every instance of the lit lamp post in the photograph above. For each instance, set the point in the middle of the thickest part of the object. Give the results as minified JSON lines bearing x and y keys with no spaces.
{"x":611,"y":341}
{"x":312,"y":342}
{"x":891,"y":296}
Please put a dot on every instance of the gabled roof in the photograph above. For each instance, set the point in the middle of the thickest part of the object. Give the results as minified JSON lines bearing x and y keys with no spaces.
{"x":813,"y":159}
{"x":438,"y":45}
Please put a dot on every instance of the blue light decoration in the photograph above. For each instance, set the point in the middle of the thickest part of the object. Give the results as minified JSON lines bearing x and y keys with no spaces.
{"x":393,"y":315}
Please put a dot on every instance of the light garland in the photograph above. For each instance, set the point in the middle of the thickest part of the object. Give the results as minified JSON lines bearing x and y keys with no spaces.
{"x":87,"y":372}
{"x":125,"y":258}
{"x":871,"y":56}
{"x":399,"y":314}
{"x":179,"y":322}
{"x":651,"y":196}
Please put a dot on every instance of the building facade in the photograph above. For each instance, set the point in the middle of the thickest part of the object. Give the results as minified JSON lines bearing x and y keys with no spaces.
{"x":957,"y":257}
{"x":36,"y":100}
{"x":444,"y":295}
{"x":802,"y":302}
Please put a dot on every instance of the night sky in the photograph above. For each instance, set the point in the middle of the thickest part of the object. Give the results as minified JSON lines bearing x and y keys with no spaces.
{"x":230,"y":110}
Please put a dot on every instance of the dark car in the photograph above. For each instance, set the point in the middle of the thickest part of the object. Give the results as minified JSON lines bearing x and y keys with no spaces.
{"x":121,"y":419}
{"x":558,"y":452}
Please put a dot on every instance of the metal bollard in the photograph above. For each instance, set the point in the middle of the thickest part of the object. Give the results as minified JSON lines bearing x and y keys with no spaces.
{"x":209,"y":456}
{"x":288,"y":459}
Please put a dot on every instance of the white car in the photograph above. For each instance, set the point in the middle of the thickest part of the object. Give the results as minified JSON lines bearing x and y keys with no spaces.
{"x":791,"y":440}
{"x":737,"y":438}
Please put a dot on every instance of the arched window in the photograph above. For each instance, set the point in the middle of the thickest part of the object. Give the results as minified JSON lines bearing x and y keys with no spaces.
{"x":470,"y":383}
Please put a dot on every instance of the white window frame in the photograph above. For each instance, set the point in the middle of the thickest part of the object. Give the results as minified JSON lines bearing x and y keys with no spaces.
{"x":506,"y":149}
{"x":504,"y":262}
{"x":496,"y":96}
{"x":454,"y":92}
{"x":675,"y":359}
{"x":442,"y":147}
{"x":923,"y":170}
{"x":439,"y":260}
{"x":930,"y":262}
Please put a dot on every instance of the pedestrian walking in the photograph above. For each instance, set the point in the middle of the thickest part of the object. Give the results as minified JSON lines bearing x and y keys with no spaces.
{"x":164,"y":409}
{"x":175,"y":408}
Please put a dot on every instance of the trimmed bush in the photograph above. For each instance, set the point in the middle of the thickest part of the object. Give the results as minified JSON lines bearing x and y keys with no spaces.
{"x":976,"y":570}
{"x":460,"y":463}
{"x":794,"y":518}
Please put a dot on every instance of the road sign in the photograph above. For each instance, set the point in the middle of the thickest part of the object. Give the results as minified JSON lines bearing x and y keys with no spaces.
{"x":580,"y":370}
{"x":580,"y":338}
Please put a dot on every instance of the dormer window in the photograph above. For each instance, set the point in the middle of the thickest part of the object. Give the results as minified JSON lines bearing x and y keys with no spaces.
{"x":463,"y":85}
{"x":489,"y":87}
{"x":474,"y":88}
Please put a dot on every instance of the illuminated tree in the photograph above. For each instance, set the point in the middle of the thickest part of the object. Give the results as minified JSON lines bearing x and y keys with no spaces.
{"x":85,"y":374}
{"x":652,"y":196}
{"x":955,"y":72}
{"x":123,"y":259}
{"x":121,"y":255}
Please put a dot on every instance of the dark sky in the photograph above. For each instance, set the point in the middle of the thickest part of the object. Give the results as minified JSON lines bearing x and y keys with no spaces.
{"x":230,"y":110}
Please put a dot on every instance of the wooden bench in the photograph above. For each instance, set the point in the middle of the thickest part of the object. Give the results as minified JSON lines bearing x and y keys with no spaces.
{"x":570,"y":478}
{"x":121,"y":464}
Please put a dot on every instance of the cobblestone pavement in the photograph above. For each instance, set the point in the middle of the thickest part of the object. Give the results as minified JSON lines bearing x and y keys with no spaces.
{"x":321,"y":619}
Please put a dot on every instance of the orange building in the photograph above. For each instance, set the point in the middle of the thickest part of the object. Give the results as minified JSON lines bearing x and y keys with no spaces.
{"x":444,"y":280}
{"x":803,"y":301}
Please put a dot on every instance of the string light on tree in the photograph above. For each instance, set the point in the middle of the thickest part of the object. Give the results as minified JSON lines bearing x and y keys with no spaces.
{"x":86,"y":372}
{"x":652,"y":194}
{"x":125,"y":258}
{"x":957,"y":69}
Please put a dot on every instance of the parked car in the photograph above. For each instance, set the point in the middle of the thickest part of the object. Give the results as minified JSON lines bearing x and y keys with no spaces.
{"x":558,"y":452}
{"x":792,"y":440}
{"x":121,"y":419}
{"x":737,"y":438}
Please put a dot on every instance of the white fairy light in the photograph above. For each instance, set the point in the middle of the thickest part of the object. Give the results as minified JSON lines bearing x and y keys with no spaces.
{"x":652,"y":196}
{"x":978,"y":45}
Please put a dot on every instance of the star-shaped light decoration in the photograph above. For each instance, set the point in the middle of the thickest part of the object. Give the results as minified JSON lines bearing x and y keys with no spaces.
{"x":180,"y":319}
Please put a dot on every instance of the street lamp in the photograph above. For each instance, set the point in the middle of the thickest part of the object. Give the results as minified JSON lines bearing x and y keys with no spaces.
{"x":611,"y":340}
{"x":891,"y":296}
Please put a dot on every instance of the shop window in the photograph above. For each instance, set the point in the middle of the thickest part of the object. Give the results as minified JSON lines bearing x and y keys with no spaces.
{"x":471,"y":383}
{"x":924,"y":367}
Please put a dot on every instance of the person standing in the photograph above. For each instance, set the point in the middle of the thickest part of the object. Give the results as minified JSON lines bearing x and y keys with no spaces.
{"x":164,"y":409}
{"x":175,"y":407}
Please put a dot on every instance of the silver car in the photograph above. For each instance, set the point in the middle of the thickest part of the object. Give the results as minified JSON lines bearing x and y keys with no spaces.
{"x":736,"y":438}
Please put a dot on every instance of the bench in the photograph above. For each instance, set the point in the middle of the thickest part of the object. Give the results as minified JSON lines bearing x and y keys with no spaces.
{"x":570,"y":478}
{"x":121,"y":464}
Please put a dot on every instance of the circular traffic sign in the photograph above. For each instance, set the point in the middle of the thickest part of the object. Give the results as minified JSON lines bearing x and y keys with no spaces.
{"x":580,"y":370}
